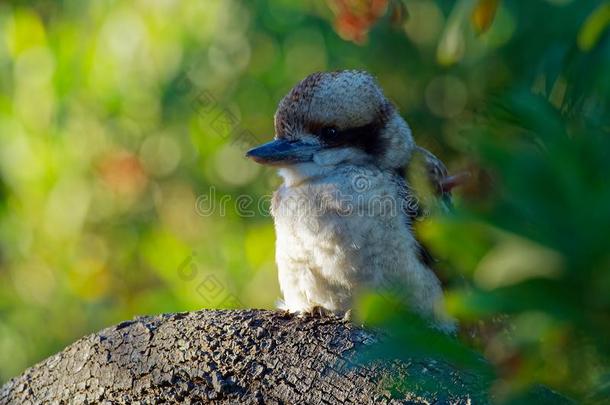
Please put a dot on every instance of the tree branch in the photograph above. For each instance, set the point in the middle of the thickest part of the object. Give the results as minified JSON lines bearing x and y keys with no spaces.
{"x":229,"y":356}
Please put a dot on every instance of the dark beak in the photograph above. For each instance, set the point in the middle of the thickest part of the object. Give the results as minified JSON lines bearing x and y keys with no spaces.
{"x":280,"y":152}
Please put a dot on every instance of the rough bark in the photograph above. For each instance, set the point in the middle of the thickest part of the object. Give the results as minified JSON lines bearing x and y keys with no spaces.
{"x":236,"y":357}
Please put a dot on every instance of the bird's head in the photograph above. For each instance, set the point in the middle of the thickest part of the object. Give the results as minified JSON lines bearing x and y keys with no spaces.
{"x":333,"y":118}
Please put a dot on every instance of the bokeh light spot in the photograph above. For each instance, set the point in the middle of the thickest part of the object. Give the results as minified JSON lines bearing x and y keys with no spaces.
{"x":160,"y":154}
{"x":446,"y":96}
{"x":425,"y":22}
{"x":239,"y":172}
{"x":305,"y":52}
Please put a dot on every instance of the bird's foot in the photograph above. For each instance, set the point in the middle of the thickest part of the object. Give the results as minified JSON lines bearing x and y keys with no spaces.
{"x":318,"y":312}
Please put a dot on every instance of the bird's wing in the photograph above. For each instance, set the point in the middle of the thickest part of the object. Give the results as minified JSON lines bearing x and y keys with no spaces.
{"x":438,"y":178}
{"x":436,"y":174}
{"x":434,"y":171}
{"x":413,"y":212}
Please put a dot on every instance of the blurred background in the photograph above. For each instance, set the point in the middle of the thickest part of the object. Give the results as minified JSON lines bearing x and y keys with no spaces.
{"x":124,"y":191}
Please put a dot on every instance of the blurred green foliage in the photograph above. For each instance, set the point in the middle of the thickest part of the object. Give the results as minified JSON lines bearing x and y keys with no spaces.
{"x":123,"y":126}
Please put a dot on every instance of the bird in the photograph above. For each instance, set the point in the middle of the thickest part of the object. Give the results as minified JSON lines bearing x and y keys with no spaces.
{"x":344,"y":212}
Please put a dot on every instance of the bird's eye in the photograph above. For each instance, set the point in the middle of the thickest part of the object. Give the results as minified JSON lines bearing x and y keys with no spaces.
{"x":328,"y":132}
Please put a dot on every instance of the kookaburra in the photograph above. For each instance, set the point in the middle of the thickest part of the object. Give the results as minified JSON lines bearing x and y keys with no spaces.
{"x":344,"y":212}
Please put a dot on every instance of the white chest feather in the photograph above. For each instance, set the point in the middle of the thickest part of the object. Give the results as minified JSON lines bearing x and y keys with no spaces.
{"x":342,"y":231}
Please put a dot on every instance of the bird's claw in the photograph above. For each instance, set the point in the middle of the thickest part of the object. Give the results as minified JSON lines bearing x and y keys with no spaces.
{"x":317,"y":312}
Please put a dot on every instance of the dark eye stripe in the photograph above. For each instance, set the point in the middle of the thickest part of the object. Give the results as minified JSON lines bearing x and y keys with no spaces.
{"x":366,"y":137}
